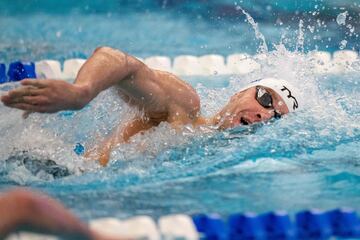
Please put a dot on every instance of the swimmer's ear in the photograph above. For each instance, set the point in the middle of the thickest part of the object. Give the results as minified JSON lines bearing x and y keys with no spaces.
{"x":26,"y":114}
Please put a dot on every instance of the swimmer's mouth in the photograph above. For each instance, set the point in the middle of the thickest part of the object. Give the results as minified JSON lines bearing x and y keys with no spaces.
{"x":243,"y":121}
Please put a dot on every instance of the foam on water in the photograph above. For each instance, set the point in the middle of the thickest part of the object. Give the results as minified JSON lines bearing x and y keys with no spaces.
{"x":341,"y":18}
{"x":46,"y":132}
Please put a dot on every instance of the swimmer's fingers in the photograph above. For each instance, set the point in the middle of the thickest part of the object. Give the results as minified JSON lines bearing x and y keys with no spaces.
{"x":18,"y":93}
{"x":35,"y":100}
{"x":32,"y":96}
{"x":20,"y":96}
{"x":27,"y":107}
{"x":30,"y":104}
{"x":35,"y":83}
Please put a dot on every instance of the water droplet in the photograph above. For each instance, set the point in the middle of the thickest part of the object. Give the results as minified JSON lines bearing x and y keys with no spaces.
{"x":351,"y":28}
{"x":343,"y":44}
{"x":341,"y":18}
{"x":300,"y":41}
{"x":311,"y":29}
{"x":58,"y":34}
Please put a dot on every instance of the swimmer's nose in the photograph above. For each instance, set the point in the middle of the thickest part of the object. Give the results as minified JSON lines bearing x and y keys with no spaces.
{"x":258,"y":117}
{"x":261,"y":116}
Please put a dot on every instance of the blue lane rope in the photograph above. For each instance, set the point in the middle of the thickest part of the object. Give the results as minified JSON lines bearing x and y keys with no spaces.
{"x":3,"y":78}
{"x":308,"y":224}
{"x":17,"y":71}
{"x":20,"y":70}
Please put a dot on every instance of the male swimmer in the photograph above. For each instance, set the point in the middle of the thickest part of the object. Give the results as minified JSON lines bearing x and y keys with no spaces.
{"x":160,"y":95}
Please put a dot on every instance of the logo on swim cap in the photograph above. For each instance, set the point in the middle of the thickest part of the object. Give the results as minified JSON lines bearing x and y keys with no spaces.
{"x":296,"y":104}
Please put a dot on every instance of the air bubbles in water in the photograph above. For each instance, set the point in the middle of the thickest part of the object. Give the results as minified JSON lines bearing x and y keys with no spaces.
{"x":311,"y":28}
{"x":351,"y":28}
{"x":341,"y":18}
{"x":58,"y":34}
{"x":343,"y":44}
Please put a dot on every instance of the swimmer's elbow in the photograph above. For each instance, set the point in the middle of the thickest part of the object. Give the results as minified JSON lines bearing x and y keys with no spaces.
{"x":110,"y":53}
{"x":131,"y":63}
{"x":103,"y":49}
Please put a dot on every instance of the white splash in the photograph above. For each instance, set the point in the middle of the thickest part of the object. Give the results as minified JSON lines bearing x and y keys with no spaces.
{"x":341,"y":18}
{"x":343,"y":44}
{"x":263,"y":47}
{"x":301,"y":39}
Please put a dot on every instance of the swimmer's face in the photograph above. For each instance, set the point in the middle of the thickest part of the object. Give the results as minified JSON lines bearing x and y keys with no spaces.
{"x":255,"y":104}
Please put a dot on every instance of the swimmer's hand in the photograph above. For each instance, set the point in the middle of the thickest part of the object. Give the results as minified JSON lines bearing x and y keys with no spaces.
{"x":101,"y":155}
{"x":46,"y":96}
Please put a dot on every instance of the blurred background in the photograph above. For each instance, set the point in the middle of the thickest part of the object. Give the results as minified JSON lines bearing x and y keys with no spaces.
{"x":37,"y":29}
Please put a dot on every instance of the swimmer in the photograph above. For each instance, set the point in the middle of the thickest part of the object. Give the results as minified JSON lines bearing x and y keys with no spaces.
{"x":162,"y":96}
{"x":22,"y":210}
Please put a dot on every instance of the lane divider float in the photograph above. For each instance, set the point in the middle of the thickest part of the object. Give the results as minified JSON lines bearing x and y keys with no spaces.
{"x":340,"y":62}
{"x":309,"y":224}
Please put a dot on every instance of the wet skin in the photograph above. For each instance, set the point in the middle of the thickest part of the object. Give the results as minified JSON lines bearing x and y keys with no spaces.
{"x":24,"y":210}
{"x":244,"y":109}
{"x":161,"y":96}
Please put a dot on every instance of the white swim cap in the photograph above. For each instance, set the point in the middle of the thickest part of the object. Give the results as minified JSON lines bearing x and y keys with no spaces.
{"x":287,"y":92}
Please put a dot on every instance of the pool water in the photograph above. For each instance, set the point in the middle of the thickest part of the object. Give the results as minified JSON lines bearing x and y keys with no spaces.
{"x":309,"y":159}
{"x":43,"y":29}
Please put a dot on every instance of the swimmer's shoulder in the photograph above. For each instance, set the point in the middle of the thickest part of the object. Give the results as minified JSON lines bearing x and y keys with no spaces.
{"x":172,"y":81}
{"x":183,"y":96}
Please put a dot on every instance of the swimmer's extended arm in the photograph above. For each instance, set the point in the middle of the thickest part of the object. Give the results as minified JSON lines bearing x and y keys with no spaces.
{"x":105,"y":68}
{"x":22,"y":210}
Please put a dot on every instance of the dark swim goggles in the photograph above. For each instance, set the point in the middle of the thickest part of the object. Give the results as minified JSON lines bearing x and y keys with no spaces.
{"x":264,"y":98}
